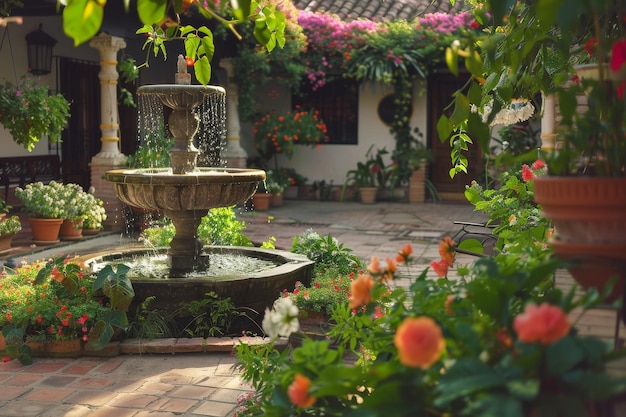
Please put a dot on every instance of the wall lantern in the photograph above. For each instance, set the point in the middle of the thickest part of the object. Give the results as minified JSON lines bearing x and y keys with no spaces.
{"x":39,"y":48}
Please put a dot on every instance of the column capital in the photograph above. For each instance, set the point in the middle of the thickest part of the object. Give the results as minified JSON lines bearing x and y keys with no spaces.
{"x":105,"y":42}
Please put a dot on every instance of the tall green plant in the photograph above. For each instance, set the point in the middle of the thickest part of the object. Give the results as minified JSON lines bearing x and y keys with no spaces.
{"x":118,"y":289}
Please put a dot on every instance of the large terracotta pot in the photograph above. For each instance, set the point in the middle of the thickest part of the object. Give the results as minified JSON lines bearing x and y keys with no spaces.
{"x":589,"y":217}
{"x":71,"y":230}
{"x":368,"y":194}
{"x":45,"y":231}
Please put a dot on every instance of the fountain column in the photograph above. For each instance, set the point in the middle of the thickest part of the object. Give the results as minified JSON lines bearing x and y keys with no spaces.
{"x":235,"y":155}
{"x":109,"y":156}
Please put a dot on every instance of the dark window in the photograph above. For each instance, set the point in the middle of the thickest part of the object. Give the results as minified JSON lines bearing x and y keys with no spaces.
{"x":338,"y":104}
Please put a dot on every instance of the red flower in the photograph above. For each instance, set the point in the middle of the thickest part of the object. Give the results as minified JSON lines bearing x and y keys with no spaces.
{"x":419,"y":342}
{"x":538,"y":164}
{"x":298,"y":391}
{"x":6,"y":359}
{"x":544,"y":323}
{"x":527,"y":173}
{"x":590,"y":46}
{"x":440,"y":267}
{"x":618,"y":54}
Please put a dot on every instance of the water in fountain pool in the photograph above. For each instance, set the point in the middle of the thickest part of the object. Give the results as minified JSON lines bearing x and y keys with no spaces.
{"x":221,"y":267}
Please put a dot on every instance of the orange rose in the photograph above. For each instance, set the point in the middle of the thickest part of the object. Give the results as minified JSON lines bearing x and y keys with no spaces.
{"x":374,"y":266}
{"x":298,"y":392}
{"x":544,"y":323}
{"x":419,"y":342}
{"x":446,"y":250}
{"x":360,"y":291}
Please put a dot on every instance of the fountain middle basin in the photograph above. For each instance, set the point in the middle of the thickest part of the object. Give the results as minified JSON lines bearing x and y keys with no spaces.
{"x":256,"y":290}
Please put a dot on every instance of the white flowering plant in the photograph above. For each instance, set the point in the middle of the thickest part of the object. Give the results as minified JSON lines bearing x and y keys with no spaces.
{"x":42,"y":200}
{"x":95,"y":213}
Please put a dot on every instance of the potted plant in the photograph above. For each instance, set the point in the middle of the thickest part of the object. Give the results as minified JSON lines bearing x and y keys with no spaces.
{"x":94,"y":215}
{"x":8,"y":227}
{"x":77,"y":203}
{"x":276,"y":185}
{"x":278,"y":132}
{"x":369,"y":176}
{"x":45,"y":214}
{"x":4,"y":209}
{"x":45,"y":302}
{"x":261,"y":198}
{"x":29,"y":112}
{"x":583,"y":193}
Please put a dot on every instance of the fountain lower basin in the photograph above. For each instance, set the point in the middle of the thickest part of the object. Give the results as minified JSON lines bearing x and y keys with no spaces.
{"x":256,"y":290}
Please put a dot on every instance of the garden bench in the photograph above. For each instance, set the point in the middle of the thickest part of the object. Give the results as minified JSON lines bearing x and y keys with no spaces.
{"x":19,"y":170}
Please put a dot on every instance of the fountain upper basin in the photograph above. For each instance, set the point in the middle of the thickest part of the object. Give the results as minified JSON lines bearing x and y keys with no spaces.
{"x":178,"y":96}
{"x":203,"y":189}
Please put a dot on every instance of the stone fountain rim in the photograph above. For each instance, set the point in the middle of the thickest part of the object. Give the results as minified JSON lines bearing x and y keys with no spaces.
{"x":292,"y":261}
{"x":164,"y":176}
{"x":158,"y":88}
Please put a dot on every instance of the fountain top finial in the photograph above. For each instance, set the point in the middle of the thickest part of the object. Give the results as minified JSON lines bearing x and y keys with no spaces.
{"x":181,"y":76}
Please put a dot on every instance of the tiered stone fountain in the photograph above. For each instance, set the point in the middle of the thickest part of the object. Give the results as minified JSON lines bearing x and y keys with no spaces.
{"x":185,"y":193}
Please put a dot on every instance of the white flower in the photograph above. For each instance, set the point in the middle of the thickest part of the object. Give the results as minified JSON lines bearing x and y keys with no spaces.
{"x":517,"y":111}
{"x":282,"y":319}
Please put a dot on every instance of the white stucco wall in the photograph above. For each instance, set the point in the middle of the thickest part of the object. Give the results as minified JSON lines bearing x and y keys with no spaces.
{"x":53,"y":26}
{"x":332,"y":162}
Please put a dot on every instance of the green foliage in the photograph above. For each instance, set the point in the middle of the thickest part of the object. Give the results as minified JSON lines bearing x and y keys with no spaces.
{"x":83,"y":18}
{"x":153,"y":152}
{"x":329,"y":289}
{"x":29,"y":112}
{"x":485,"y":367}
{"x":326,"y":252}
{"x":219,"y":227}
{"x":511,"y":208}
{"x":117,"y":287}
{"x":211,"y":316}
{"x":276,"y":182}
{"x":10,"y":225}
{"x":149,"y":323}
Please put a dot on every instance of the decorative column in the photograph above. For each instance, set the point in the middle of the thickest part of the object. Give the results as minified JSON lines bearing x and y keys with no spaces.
{"x":109,"y":156}
{"x":234,"y":154}
{"x":548,"y":135}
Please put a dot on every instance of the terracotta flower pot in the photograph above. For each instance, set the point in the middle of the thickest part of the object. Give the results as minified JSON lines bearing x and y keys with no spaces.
{"x":261,"y":201}
{"x":276,"y":200}
{"x":589,"y":218}
{"x":368,"y":194}
{"x":45,"y":231}
{"x":5,"y":243}
{"x":71,"y":230}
